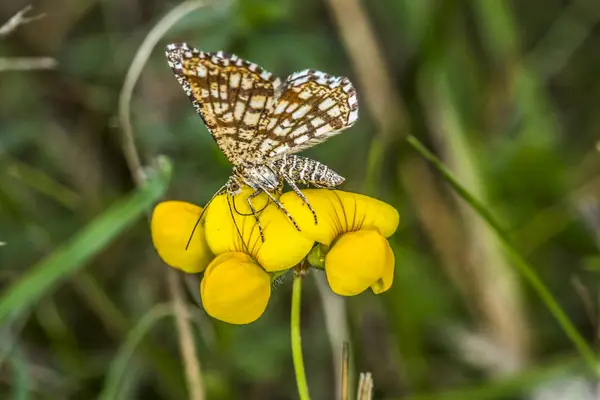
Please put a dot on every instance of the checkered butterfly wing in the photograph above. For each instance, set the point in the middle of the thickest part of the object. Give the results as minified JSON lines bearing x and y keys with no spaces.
{"x":310,"y":107}
{"x":230,"y":94}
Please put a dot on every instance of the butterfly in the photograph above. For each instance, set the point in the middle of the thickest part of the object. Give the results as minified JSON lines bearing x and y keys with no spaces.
{"x":259,"y":122}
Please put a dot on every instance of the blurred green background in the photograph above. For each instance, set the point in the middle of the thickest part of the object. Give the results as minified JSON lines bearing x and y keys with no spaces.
{"x":506,"y":93}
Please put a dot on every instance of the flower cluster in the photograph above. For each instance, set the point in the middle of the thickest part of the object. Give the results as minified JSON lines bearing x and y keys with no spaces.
{"x":351,"y":235}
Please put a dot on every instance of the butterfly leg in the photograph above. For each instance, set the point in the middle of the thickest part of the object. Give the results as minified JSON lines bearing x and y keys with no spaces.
{"x":301,"y":195}
{"x":281,"y":207}
{"x":237,"y":228}
{"x":254,"y":213}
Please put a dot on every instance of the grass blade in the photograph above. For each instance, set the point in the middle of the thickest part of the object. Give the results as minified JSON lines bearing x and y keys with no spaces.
{"x":20,"y":382}
{"x":74,"y":254}
{"x":519,"y":261}
{"x":118,"y":367}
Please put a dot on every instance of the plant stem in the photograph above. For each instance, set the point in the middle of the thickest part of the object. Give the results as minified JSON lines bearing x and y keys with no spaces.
{"x":345,"y":368}
{"x":296,"y":339}
{"x":519,"y":261}
{"x":187,"y":347}
{"x":133,"y":159}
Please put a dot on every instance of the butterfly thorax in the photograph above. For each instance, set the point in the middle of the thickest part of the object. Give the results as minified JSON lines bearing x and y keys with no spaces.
{"x":258,"y":176}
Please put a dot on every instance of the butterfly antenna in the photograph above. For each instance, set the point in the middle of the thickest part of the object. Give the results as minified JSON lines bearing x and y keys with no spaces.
{"x":195,"y":226}
{"x":218,"y":192}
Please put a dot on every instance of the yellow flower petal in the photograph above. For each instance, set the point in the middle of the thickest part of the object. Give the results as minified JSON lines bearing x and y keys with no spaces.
{"x":171,"y":226}
{"x":235,"y":289}
{"x":339,"y":212}
{"x":356,"y":261}
{"x":283,"y":247}
{"x":385,"y":282}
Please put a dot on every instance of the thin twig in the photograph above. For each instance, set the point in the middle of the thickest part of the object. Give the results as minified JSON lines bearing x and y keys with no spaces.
{"x":27,"y":63}
{"x":135,"y":69}
{"x":17,"y":20}
{"x":131,"y":154}
{"x":23,"y":63}
{"x":186,"y":340}
{"x":345,"y":370}
{"x":334,"y":309}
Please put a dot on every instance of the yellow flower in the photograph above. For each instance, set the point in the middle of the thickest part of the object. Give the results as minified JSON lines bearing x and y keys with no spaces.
{"x":237,"y":283}
{"x":171,"y":227}
{"x":238,"y":264}
{"x":283,"y":247}
{"x":235,"y":289}
{"x":354,"y":228}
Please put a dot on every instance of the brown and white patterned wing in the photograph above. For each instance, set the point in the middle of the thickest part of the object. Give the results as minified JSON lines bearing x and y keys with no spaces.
{"x":230,"y":94}
{"x":310,"y":108}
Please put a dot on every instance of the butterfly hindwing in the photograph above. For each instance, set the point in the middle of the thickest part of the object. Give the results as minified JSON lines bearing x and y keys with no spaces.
{"x":311,"y":107}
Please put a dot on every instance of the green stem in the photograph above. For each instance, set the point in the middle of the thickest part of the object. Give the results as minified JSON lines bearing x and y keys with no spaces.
{"x":522,"y":265}
{"x":296,"y":340}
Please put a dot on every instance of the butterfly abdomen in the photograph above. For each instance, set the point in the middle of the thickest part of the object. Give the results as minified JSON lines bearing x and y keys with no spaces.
{"x":307,"y":171}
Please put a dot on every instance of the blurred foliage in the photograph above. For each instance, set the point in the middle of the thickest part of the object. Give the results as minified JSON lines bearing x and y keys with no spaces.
{"x":504,"y":91}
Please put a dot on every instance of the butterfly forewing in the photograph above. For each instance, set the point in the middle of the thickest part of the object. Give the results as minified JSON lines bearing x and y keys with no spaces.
{"x":251,"y":115}
{"x":231,"y":95}
{"x":310,"y":108}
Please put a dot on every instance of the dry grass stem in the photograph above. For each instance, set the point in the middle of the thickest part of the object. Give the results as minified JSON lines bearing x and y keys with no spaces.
{"x":27,"y":63}
{"x":334,"y":310}
{"x":365,"y":386}
{"x":17,"y":20}
{"x":345,"y":370}
{"x":387,"y":107}
{"x":496,"y":288}
{"x":23,"y":63}
{"x":186,"y":342}
{"x":135,"y":69}
{"x":376,"y":85}
{"x":588,"y":303}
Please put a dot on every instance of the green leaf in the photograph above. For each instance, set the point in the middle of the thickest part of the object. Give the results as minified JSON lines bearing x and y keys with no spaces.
{"x":74,"y":254}
{"x":20,"y":382}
